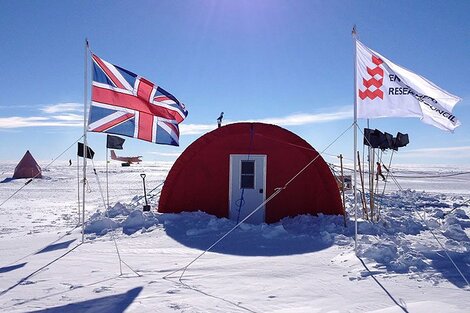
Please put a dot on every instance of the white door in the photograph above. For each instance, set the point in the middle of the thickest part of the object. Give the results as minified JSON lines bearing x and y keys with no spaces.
{"x":247,"y":187}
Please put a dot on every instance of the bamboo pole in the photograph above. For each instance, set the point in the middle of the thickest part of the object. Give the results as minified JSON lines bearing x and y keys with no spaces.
{"x":388,"y":172}
{"x":371,"y":186}
{"x":342,"y":188}
{"x":363,"y":196}
{"x":377,"y":191}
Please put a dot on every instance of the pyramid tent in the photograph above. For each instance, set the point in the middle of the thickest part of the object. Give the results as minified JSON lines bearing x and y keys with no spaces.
{"x":27,"y":167}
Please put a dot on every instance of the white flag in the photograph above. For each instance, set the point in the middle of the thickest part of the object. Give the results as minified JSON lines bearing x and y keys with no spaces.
{"x":385,"y":89}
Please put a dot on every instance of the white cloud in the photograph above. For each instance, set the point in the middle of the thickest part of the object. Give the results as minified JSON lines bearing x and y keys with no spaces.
{"x":70,"y":119}
{"x":34,"y":121}
{"x":303,"y":119}
{"x":65,"y":118}
{"x":196,"y":129}
{"x":460,"y":152}
{"x":63,"y":107}
{"x":290,"y":120}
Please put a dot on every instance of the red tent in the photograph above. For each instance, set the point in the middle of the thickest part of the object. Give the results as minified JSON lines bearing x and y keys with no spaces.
{"x":232,"y":170}
{"x":27,"y":167}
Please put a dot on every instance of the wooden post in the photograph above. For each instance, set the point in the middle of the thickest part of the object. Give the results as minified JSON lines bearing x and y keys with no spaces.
{"x":377,"y":208}
{"x":371,"y":186}
{"x":363,"y":196}
{"x":342,"y":187}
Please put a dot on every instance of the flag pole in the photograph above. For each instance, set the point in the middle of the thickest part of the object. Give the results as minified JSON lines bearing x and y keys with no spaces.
{"x":85,"y":99}
{"x":354,"y":35}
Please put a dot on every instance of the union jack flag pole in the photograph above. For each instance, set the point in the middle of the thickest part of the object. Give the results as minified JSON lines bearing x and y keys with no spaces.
{"x":85,"y":102}
{"x":127,"y":104}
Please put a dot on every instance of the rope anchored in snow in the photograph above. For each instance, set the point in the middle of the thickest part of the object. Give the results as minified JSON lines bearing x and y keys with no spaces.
{"x":38,"y":271}
{"x":272,"y":196}
{"x":433,"y":234}
{"x":31,"y":179}
{"x":412,"y":176}
{"x":112,"y":232}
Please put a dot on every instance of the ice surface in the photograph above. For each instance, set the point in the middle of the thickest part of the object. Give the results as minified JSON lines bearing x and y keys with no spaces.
{"x":301,"y":264}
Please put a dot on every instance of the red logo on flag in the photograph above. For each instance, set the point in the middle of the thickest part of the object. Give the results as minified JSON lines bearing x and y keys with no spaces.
{"x":376,"y":82}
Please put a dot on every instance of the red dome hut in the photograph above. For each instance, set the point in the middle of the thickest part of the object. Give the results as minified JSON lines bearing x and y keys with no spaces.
{"x":230,"y":171}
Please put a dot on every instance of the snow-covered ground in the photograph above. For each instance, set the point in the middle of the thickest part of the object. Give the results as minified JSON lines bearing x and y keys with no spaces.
{"x":301,"y":264}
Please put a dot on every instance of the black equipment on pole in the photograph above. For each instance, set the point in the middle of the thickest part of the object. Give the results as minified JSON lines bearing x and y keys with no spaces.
{"x":402,"y":140}
{"x":373,"y":137}
{"x":387,"y":141}
{"x":146,"y":206}
{"x":376,"y":139}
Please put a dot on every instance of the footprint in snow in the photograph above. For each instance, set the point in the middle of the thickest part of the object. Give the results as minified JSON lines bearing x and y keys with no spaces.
{"x":101,"y":289}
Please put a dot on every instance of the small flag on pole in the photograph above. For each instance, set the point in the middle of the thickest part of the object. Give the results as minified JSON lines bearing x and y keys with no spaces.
{"x":89,"y":154}
{"x":385,"y":89}
{"x":114,"y":142}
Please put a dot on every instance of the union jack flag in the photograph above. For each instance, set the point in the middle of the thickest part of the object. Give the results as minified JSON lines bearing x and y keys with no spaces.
{"x":124,"y":103}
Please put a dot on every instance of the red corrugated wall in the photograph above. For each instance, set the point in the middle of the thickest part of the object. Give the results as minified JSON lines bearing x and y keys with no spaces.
{"x":199,"y":179}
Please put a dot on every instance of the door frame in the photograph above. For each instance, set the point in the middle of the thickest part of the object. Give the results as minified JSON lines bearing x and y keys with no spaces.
{"x":243,"y":157}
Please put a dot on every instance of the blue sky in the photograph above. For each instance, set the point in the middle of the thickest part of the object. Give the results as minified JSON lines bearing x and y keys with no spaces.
{"x":286,"y":62}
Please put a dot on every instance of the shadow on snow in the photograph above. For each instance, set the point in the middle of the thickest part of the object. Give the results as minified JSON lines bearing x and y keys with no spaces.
{"x":56,"y":246}
{"x":441,"y":263}
{"x":110,"y":304}
{"x":199,"y":230}
{"x":10,"y":268}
